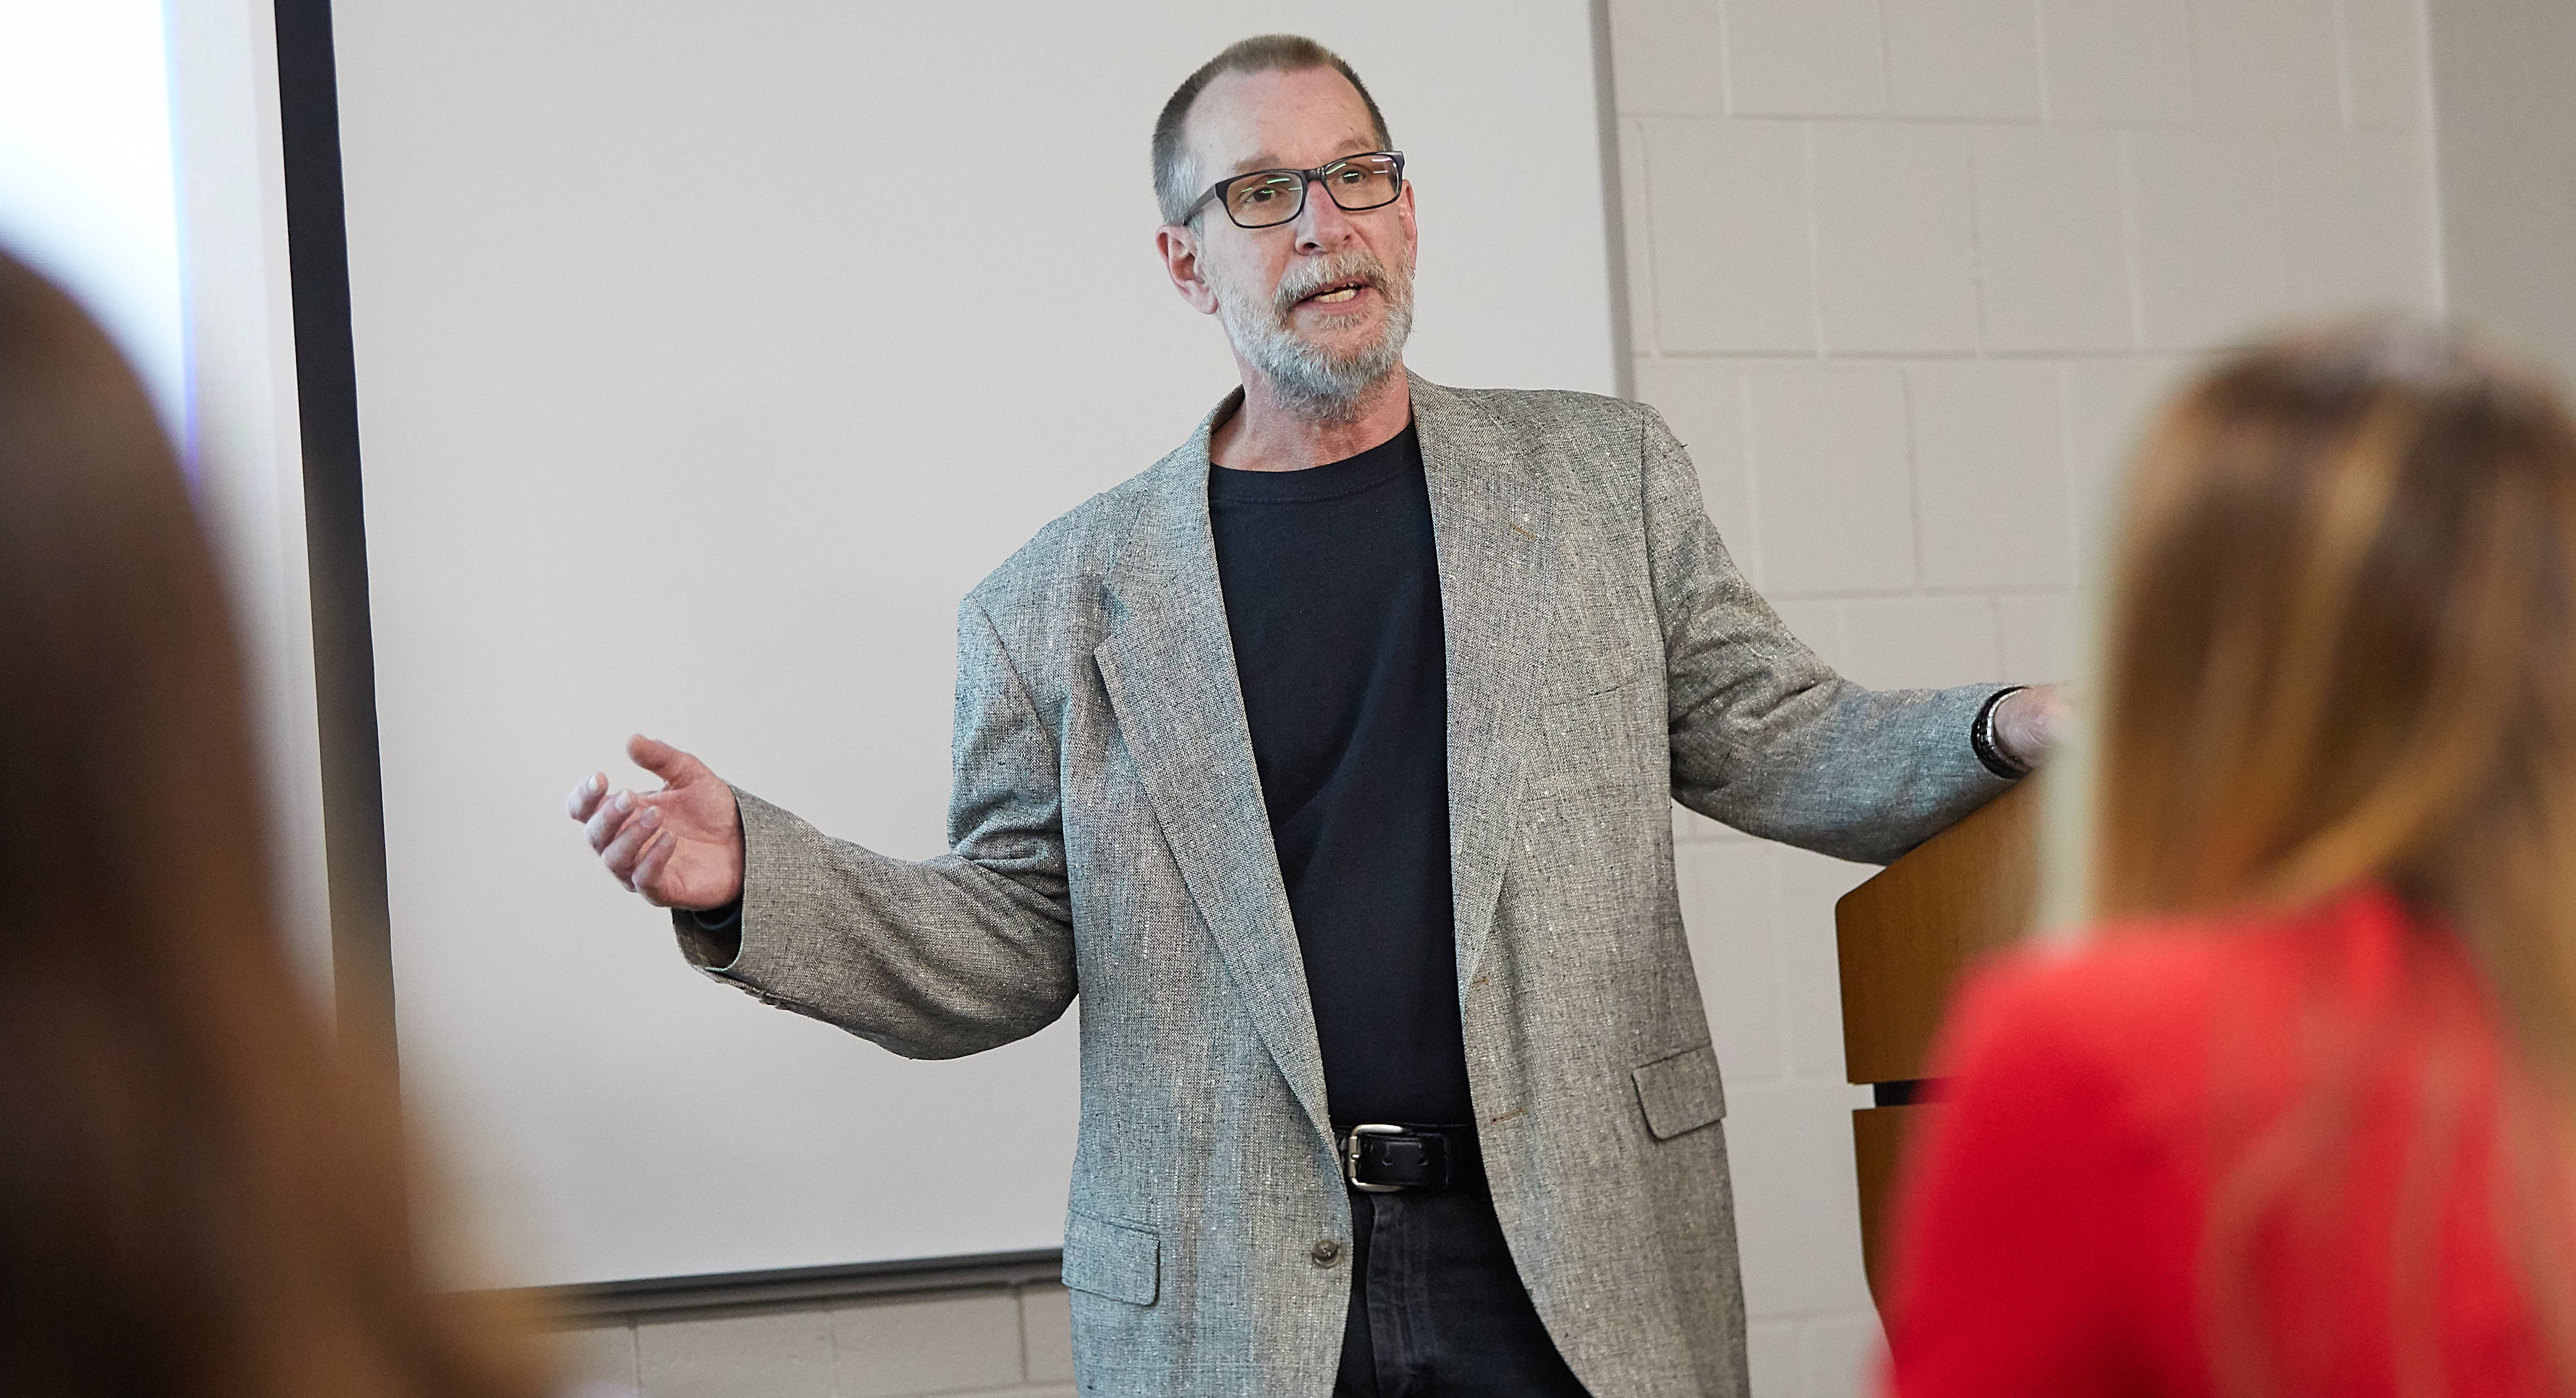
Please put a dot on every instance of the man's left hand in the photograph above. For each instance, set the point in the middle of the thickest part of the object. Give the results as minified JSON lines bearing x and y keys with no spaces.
{"x":2028,"y":723}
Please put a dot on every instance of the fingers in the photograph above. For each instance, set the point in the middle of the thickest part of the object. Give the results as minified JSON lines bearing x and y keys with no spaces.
{"x":659,"y":758}
{"x":626,"y":849}
{"x":632,"y":834}
{"x":585,"y":797}
{"x":610,"y":818}
{"x":647,"y":878}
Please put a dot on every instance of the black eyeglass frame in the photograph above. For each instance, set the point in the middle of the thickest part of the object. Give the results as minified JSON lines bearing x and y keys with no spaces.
{"x":1306,"y":180}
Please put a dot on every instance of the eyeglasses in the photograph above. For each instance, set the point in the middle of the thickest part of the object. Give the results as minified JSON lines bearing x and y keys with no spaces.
{"x":1268,"y":198}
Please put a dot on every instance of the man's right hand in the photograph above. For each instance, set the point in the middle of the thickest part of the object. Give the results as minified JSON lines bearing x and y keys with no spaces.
{"x":681,"y":846}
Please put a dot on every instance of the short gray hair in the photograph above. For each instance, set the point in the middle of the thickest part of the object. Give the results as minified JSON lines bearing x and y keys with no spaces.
{"x":1175,"y":178}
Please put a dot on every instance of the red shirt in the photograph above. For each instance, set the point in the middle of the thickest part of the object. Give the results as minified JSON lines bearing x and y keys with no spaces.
{"x":2270,"y":1142}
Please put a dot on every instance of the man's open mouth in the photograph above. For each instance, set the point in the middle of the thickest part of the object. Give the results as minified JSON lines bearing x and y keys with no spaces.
{"x":1335,"y":293}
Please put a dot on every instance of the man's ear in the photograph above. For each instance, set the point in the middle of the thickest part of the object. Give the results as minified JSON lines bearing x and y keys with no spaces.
{"x":1412,"y":230}
{"x":1180,"y":252}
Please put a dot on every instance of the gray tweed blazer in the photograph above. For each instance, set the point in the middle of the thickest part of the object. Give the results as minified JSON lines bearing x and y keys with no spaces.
{"x":1108,"y":837}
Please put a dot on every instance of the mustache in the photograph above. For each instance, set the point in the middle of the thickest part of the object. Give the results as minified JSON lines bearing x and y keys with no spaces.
{"x":1302,"y":282}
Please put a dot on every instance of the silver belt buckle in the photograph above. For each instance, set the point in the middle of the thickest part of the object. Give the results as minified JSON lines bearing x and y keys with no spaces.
{"x":1351,"y":1158}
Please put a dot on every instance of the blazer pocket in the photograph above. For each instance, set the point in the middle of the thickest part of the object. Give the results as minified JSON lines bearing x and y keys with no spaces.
{"x":1681,"y":1092}
{"x":1112,"y":1259}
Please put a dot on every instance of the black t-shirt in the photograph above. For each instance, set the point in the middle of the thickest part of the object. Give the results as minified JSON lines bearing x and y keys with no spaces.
{"x":1332,"y":592}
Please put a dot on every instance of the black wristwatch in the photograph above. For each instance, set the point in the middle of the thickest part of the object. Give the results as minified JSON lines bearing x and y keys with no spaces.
{"x":1981,"y":736}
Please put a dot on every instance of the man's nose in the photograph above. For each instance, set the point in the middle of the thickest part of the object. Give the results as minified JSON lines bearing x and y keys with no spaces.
{"x":1321,"y":225}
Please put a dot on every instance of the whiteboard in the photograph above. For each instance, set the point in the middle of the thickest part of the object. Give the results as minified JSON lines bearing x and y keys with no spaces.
{"x":700,"y":372}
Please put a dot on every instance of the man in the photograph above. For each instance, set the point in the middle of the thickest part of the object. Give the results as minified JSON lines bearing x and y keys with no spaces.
{"x":1330,"y":760}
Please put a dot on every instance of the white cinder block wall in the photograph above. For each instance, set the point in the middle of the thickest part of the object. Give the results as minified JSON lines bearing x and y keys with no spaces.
{"x":2508,"y":122}
{"x":1904,"y":274}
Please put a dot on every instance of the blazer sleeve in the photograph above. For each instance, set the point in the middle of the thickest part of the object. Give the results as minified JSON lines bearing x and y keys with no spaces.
{"x":1765,"y":736}
{"x":948,"y":956}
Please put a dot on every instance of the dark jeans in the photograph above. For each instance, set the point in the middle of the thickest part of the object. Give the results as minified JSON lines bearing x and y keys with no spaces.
{"x":1437,"y":1308}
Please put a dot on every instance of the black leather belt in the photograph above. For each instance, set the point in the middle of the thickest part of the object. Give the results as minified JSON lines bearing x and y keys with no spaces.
{"x":1381,"y":1158}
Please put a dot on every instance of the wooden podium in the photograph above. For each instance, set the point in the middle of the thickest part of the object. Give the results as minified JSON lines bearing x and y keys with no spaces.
{"x":1903,"y":938}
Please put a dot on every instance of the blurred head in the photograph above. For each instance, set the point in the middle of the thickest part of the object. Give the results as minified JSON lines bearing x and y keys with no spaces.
{"x":1317,"y":307}
{"x":2344,"y":648}
{"x":194,"y":1198}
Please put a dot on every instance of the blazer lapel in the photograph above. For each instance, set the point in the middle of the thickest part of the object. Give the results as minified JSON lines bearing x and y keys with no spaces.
{"x":1168,"y":666}
{"x":1494,"y":521}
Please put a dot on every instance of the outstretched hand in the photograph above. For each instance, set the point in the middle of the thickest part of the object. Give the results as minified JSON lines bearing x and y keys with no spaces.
{"x":681,"y":846}
{"x":2030,"y":722}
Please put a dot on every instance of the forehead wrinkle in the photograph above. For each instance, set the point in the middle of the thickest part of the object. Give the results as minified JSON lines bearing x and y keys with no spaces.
{"x":1266,"y":160}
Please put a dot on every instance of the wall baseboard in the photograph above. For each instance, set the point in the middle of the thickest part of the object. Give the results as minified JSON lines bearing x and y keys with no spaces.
{"x":662,"y":1297}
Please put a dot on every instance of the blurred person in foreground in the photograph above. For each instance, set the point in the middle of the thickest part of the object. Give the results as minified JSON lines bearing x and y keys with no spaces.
{"x":195,"y":1197}
{"x":2296,"y":1121}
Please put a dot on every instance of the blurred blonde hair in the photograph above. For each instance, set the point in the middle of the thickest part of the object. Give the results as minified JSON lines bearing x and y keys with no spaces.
{"x":2344,"y":647}
{"x":197,"y":1195}
{"x":2343,"y":650}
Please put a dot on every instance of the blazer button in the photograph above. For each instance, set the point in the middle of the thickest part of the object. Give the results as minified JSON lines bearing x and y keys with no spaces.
{"x":1326,"y":1252}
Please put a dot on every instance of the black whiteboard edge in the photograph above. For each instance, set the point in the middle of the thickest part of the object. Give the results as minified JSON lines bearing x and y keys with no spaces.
{"x":335,"y":525}
{"x":589,"y":1303}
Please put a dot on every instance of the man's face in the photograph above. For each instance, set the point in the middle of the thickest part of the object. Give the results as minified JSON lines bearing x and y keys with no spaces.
{"x":1319,"y":306}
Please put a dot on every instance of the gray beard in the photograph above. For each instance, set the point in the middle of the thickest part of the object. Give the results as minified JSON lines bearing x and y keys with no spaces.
{"x":1312,"y":383}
